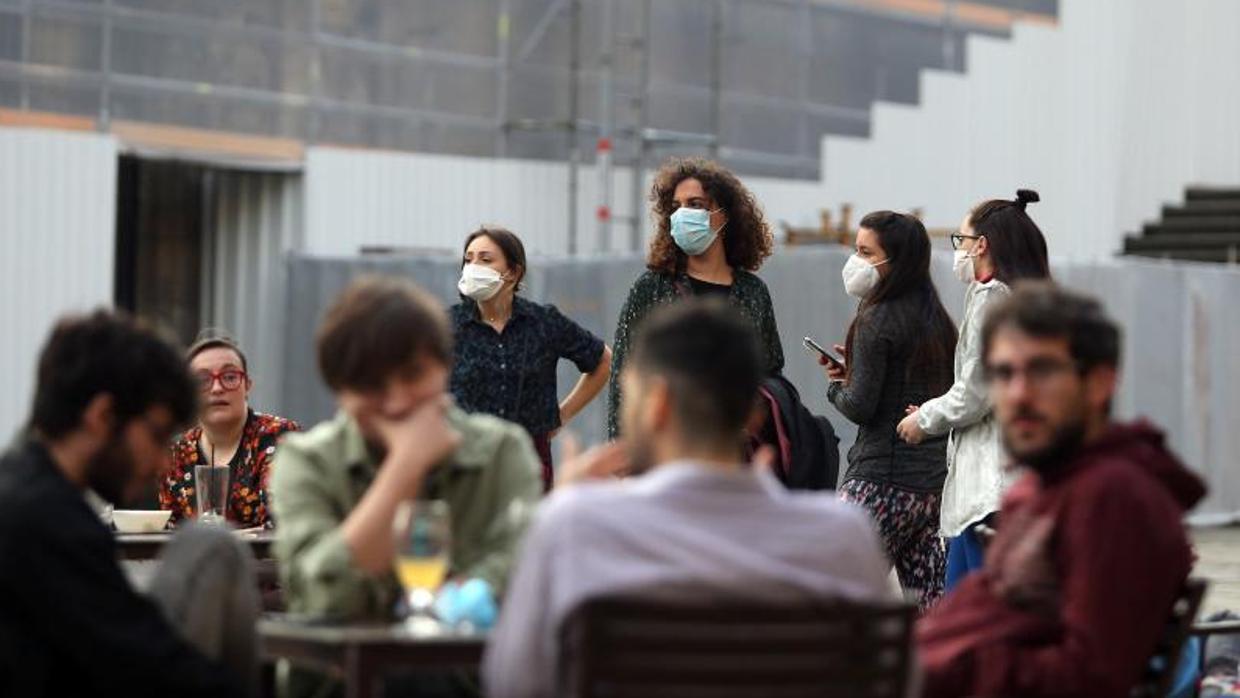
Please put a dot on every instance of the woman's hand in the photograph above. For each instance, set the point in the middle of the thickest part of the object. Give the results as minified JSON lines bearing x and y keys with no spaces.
{"x":565,"y":418}
{"x":908,"y":428}
{"x":835,"y":372}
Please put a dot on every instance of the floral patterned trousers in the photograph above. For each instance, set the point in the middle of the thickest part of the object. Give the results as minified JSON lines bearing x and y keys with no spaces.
{"x":908,"y":523}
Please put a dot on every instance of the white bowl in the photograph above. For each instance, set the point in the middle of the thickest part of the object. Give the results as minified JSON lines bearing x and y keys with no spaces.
{"x":139,"y":521}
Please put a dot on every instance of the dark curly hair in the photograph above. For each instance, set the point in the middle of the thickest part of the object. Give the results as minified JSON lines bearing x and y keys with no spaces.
{"x":747,"y":239}
{"x":108,"y":352}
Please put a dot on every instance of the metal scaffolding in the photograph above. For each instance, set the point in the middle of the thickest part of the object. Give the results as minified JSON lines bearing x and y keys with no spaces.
{"x":755,"y":83}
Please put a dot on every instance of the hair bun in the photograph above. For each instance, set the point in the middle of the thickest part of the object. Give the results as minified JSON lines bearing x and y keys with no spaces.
{"x":1026,"y":196}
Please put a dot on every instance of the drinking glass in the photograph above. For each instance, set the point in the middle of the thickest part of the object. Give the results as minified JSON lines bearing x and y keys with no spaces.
{"x":423,"y":542}
{"x":211,"y":490}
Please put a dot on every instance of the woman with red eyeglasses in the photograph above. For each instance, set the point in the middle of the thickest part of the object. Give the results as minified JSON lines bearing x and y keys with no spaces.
{"x":228,"y":433}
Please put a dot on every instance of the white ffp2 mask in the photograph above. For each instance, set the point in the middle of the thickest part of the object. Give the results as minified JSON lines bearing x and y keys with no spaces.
{"x":962,"y":266}
{"x":860,"y":277}
{"x":479,"y":283}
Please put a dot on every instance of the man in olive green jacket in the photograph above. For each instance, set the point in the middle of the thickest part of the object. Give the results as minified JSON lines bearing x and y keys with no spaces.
{"x":384,"y":349}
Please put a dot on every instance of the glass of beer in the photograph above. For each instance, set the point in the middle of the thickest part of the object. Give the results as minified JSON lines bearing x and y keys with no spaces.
{"x":424,"y":539}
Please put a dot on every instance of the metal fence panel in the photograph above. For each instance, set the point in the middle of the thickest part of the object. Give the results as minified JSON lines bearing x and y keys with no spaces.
{"x":1180,"y":339}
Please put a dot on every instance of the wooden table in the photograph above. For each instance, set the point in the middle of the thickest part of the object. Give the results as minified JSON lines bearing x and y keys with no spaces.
{"x":146,"y":546}
{"x":362,"y":654}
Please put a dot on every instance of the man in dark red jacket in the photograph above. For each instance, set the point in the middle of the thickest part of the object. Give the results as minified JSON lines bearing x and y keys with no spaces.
{"x":1091,"y":551}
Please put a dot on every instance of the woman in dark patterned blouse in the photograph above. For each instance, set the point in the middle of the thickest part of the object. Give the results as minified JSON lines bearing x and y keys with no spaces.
{"x":507,"y":347}
{"x":228,"y":433}
{"x":710,"y":237}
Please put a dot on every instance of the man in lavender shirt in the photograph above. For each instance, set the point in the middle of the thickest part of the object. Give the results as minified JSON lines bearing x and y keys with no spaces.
{"x":698,"y":522}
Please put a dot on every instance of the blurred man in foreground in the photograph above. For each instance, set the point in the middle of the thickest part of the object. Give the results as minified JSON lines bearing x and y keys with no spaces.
{"x":696,"y":523}
{"x":108,"y":398}
{"x":1091,"y":552}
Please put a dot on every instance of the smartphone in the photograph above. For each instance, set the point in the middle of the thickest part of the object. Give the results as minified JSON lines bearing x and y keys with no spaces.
{"x":815,"y":348}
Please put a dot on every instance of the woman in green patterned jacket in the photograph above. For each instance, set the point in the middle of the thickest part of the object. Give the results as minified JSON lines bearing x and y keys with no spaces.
{"x":711,"y":237}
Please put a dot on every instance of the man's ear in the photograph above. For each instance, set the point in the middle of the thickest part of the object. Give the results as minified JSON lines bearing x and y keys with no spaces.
{"x":1101,"y":383}
{"x":99,"y":417}
{"x":659,"y":403}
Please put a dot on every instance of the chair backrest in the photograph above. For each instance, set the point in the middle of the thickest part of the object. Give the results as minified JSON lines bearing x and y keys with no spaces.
{"x":626,"y":648}
{"x":1160,"y":670}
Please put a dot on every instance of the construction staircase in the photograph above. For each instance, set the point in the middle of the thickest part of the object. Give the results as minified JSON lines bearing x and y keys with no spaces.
{"x":1205,"y":229}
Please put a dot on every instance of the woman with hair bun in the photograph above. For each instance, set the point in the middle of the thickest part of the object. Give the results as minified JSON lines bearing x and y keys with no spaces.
{"x":998,"y":245}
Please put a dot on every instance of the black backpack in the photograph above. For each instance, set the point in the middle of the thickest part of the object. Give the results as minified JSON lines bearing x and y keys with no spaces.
{"x":810,"y":458}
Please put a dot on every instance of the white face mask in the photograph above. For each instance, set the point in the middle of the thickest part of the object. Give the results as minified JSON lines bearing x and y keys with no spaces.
{"x":962,"y":266}
{"x":479,"y":283}
{"x":860,"y":277}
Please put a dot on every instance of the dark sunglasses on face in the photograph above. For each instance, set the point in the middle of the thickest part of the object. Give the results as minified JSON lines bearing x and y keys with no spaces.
{"x":229,"y":378}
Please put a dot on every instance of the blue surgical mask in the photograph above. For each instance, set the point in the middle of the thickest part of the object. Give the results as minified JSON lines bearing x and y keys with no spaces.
{"x":691,"y":230}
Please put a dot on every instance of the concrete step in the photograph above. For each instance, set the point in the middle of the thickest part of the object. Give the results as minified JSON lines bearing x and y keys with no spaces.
{"x":1194,"y":224}
{"x":1187,"y":240}
{"x":1212,"y":194}
{"x":1209,"y":255}
{"x":1203,"y":209}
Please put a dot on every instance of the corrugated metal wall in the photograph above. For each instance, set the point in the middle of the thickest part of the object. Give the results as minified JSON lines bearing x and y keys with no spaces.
{"x":1185,"y":380}
{"x":359,"y":199}
{"x":257,"y":221}
{"x":57,"y":212}
{"x":57,"y":249}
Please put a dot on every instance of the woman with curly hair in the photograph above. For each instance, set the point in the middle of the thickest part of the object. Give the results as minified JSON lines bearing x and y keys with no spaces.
{"x":709,"y":240}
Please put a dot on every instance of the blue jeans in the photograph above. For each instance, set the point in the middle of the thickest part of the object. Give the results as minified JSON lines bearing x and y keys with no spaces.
{"x":964,"y":555}
{"x":1187,"y":670}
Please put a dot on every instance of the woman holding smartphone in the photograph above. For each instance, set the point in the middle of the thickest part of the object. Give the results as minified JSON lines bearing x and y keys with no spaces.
{"x":898,"y":352}
{"x":998,"y":245}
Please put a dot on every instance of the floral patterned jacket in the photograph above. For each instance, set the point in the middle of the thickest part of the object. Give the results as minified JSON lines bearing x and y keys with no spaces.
{"x":247,"y":487}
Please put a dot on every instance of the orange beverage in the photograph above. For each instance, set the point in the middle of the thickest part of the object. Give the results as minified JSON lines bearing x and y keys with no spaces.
{"x":421,"y":572}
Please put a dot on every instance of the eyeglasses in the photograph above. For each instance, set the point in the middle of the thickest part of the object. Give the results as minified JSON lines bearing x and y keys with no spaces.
{"x":958,"y":239}
{"x":1038,"y":372}
{"x":229,"y":378}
